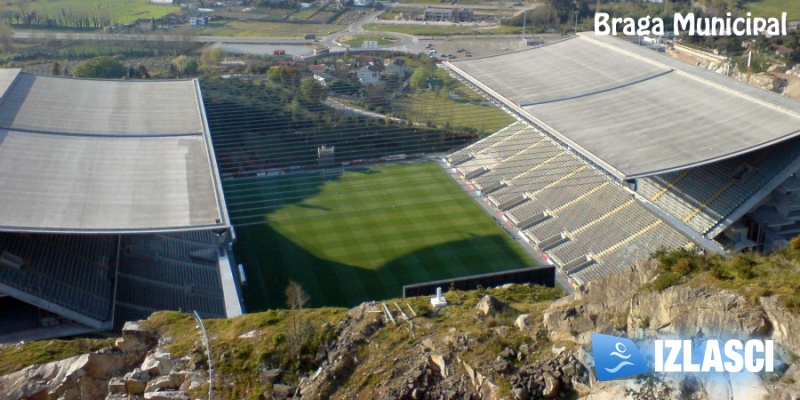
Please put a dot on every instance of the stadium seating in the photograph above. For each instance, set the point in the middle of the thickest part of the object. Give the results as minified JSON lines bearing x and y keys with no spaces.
{"x":169,"y":272}
{"x":703,"y":196}
{"x":78,"y":279}
{"x":569,"y":208}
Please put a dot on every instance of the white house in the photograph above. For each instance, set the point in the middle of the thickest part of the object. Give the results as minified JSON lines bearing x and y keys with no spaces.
{"x":369,"y":75}
{"x":198,"y":20}
{"x":323,"y":78}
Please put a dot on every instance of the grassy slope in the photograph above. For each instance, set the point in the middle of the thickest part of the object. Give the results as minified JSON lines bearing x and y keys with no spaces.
{"x":774,"y":8}
{"x":364,"y":235}
{"x":16,"y":357}
{"x":751,"y":276}
{"x":119,"y":11}
{"x":424,"y":106}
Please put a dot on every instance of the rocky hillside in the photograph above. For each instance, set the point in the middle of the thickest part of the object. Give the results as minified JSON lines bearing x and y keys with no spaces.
{"x":514,"y":342}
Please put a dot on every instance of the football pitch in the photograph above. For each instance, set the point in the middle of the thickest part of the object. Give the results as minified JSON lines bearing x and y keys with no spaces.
{"x":362,"y":234}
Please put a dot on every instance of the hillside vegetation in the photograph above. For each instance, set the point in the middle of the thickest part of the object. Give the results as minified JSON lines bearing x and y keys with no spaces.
{"x":504,"y":343}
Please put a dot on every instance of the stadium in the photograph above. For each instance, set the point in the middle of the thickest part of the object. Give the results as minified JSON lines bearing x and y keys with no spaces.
{"x":111,"y":206}
{"x":620,"y":151}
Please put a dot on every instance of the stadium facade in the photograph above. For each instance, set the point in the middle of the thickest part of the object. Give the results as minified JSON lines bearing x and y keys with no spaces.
{"x":110,"y":206}
{"x":620,"y":151}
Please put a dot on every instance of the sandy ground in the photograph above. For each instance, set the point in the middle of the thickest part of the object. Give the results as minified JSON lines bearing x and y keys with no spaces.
{"x":791,"y":90}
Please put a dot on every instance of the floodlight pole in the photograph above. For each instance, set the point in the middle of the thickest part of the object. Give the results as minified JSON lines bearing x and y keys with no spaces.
{"x":576,"y":17}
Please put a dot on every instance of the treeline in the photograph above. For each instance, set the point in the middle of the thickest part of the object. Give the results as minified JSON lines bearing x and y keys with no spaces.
{"x":65,"y":20}
{"x":57,"y":49}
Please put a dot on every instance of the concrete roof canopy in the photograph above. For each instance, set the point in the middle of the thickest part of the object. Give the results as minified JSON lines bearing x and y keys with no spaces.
{"x":103,"y":156}
{"x":633,"y":111}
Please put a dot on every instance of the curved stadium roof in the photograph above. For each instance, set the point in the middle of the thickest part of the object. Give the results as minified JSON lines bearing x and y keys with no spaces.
{"x":80,"y":155}
{"x":631,"y":110}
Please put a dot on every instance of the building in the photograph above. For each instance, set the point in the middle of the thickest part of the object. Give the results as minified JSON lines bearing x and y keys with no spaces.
{"x":111,"y":206}
{"x":198,"y":20}
{"x":369,"y":75}
{"x":688,"y":158}
{"x":397,"y":67}
{"x":323,"y":78}
{"x":448,"y":14}
{"x":363,"y":60}
{"x":362,"y":3}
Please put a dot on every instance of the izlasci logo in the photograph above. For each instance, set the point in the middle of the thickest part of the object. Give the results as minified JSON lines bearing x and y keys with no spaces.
{"x":616,"y":357}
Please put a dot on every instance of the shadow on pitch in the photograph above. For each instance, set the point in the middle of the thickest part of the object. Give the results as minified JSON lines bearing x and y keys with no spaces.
{"x":329,"y":283}
{"x":249,"y":200}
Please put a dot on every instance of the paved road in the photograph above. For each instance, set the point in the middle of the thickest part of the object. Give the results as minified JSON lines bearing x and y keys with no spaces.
{"x":406,"y":43}
{"x":158,"y":38}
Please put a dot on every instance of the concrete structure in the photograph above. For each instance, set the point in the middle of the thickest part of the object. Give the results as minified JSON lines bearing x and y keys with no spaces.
{"x":632,"y":151}
{"x":653,"y":112}
{"x":326,"y":156}
{"x":111,"y":199}
{"x":448,"y":14}
{"x":145,"y":156}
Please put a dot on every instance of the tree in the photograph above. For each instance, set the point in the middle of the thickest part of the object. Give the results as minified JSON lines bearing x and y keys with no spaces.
{"x":141,"y":72}
{"x":185,"y":66}
{"x":313,"y":92}
{"x":419,"y":80}
{"x":296,"y":297}
{"x":300,"y":330}
{"x":343,"y":86}
{"x":287,"y":76}
{"x":212,"y":56}
{"x":274,"y":74}
{"x":6,"y":38}
{"x":100,"y":67}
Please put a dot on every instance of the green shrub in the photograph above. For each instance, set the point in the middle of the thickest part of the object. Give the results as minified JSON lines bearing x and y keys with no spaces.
{"x":682,"y":267}
{"x":792,"y":304}
{"x":794,"y":244}
{"x":278,"y":338}
{"x":743,"y":266}
{"x":664,"y":280}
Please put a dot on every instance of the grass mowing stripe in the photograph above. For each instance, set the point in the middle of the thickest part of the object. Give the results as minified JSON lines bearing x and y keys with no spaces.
{"x":363,"y":234}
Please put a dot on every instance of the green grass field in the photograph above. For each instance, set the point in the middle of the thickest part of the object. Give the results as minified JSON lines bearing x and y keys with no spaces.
{"x":117,"y":11}
{"x":774,"y":8}
{"x":424,"y":106}
{"x":358,"y":40}
{"x":362,"y":235}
